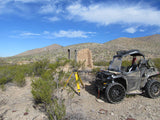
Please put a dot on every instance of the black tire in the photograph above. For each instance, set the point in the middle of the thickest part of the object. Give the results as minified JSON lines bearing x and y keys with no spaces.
{"x":115,"y":93}
{"x":152,"y":89}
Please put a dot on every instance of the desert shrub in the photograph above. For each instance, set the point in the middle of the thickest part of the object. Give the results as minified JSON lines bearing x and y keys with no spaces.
{"x":77,"y":65}
{"x":28,"y":69}
{"x":157,"y":63}
{"x":53,"y":66}
{"x":62,"y":61}
{"x":7,"y":74}
{"x":19,"y":78}
{"x":40,"y":67}
{"x":126,"y":63}
{"x":95,"y":70}
{"x":3,"y":80}
{"x":101,"y":63}
{"x":42,"y":90}
{"x":2,"y":86}
{"x":47,"y":75}
{"x":56,"y":110}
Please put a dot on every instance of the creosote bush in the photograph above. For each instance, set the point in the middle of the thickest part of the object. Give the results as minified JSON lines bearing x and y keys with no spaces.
{"x":101,"y":63}
{"x":44,"y":87}
{"x":42,"y":90}
{"x":13,"y":73}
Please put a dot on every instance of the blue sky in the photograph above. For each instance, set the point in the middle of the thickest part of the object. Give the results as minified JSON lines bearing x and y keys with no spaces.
{"x":30,"y":24}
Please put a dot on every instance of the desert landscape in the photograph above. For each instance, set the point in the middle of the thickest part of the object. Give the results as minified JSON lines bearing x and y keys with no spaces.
{"x":80,"y":60}
{"x":18,"y":101}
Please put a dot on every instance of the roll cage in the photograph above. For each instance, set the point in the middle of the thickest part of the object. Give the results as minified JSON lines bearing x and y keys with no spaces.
{"x":115,"y":64}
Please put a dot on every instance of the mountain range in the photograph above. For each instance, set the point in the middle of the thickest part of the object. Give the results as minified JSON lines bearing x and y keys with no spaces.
{"x":149,"y":45}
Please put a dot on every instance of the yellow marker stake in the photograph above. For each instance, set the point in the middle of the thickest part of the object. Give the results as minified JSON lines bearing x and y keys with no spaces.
{"x":77,"y":82}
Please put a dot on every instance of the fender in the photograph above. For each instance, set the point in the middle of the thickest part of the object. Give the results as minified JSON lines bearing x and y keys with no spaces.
{"x":122,"y":80}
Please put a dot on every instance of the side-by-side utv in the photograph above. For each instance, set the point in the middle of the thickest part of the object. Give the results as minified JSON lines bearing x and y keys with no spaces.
{"x":137,"y":78}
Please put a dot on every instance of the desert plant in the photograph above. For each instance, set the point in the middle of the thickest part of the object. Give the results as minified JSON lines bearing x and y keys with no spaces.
{"x":101,"y":63}
{"x":95,"y":70}
{"x":42,"y":90}
{"x":56,"y":110}
{"x":19,"y":78}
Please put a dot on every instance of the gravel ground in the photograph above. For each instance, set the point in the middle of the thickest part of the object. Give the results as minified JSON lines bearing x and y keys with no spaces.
{"x":88,"y":107}
{"x":17,"y":104}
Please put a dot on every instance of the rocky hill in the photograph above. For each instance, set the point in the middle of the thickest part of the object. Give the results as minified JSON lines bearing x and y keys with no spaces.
{"x":149,"y":45}
{"x":39,"y":50}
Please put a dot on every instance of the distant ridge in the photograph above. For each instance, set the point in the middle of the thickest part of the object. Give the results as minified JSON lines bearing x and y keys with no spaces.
{"x":40,"y":50}
{"x":149,"y":45}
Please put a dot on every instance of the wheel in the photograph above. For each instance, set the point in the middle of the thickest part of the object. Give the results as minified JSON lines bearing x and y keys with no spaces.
{"x":115,"y":92}
{"x":152,"y":89}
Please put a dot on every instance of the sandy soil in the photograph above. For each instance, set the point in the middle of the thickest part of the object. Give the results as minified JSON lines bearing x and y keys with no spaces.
{"x":86,"y":106}
{"x":17,"y":104}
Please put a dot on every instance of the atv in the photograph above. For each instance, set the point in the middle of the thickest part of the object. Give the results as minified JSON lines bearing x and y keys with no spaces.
{"x":136,"y":78}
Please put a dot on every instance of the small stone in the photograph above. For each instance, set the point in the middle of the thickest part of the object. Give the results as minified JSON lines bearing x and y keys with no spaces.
{"x":102,"y":111}
{"x":99,"y":100}
{"x":26,"y":113}
{"x":112,"y":113}
{"x":130,"y":119}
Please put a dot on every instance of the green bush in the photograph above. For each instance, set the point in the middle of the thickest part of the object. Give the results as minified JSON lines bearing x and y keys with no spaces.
{"x":42,"y":90}
{"x":2,"y":87}
{"x":95,"y":70}
{"x":101,"y":63}
{"x":56,"y":110}
{"x":47,"y":75}
{"x":3,"y":80}
{"x":19,"y":78}
{"x":40,"y":67}
{"x":126,"y":63}
{"x":7,"y":74}
{"x":157,"y":63}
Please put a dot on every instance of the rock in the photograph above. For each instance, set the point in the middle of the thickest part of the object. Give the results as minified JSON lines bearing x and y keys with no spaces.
{"x":130,"y":119}
{"x":26,"y":113}
{"x":99,"y":100}
{"x":102,"y":111}
{"x":112,"y":113}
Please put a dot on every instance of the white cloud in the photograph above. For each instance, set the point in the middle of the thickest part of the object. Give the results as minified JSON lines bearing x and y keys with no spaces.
{"x":51,"y":7}
{"x":72,"y":34}
{"x":29,"y":34}
{"x":52,"y":35}
{"x":30,"y":1}
{"x":46,"y":32}
{"x":141,"y":30}
{"x":53,"y":19}
{"x":104,"y":14}
{"x":130,"y":30}
{"x":47,"y":9}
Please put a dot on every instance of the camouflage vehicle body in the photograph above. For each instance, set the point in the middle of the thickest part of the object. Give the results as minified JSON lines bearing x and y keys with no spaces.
{"x":118,"y":81}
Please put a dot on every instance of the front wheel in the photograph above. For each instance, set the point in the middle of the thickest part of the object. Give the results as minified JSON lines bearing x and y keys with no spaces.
{"x":115,"y":92}
{"x":152,"y":89}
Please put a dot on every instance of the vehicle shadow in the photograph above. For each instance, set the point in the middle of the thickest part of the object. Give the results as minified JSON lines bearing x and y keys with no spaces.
{"x":93,"y":90}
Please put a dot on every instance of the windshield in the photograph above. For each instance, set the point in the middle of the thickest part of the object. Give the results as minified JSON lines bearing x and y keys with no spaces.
{"x":115,"y":64}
